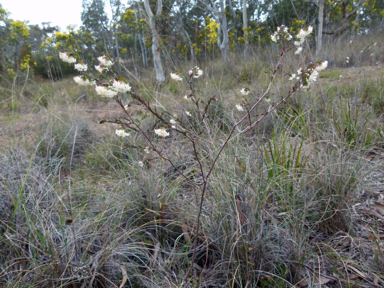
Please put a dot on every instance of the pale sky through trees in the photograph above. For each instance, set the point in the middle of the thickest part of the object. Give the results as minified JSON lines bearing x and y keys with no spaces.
{"x":59,"y":13}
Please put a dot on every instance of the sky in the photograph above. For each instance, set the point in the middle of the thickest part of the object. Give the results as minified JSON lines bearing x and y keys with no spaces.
{"x":59,"y":13}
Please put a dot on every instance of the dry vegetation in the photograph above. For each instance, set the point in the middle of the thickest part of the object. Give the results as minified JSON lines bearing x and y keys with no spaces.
{"x":298,"y":202}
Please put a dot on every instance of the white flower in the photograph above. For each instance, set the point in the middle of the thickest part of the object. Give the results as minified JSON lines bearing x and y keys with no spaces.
{"x":186,"y":97}
{"x":101,"y":68}
{"x":285,"y":29}
{"x":375,"y":44}
{"x":104,"y":61}
{"x":141,"y":163}
{"x":188,"y":113}
{"x":120,"y":86}
{"x":81,"y":67}
{"x":298,"y":43}
{"x":146,"y":150}
{"x":172,"y":121}
{"x":267,"y":99}
{"x":341,"y":76}
{"x":299,"y":72}
{"x":175,"y":76}
{"x":161,"y":132}
{"x":292,"y":77}
{"x":126,"y":107}
{"x":173,"y":127}
{"x":196,"y":72}
{"x":66,"y":58}
{"x":239,"y":107}
{"x":313,"y":77}
{"x":350,"y":42}
{"x":121,"y":133}
{"x":83,"y":81}
{"x":299,"y":49}
{"x":303,"y":33}
{"x":274,"y":37}
{"x":289,"y":37}
{"x":105,"y":92}
{"x":322,"y":66}
{"x":244,"y":91}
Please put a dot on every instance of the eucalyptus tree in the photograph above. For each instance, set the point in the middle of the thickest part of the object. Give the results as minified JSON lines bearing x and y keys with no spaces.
{"x":95,"y":22}
{"x":160,"y":77}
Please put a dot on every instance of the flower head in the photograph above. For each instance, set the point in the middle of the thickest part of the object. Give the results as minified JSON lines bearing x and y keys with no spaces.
{"x":172,"y":121}
{"x":140,"y":163}
{"x":81,"y":67}
{"x":104,"y":60}
{"x":293,"y":76}
{"x":188,"y":113}
{"x":120,"y":86}
{"x":299,"y":49}
{"x":83,"y":81}
{"x":196,"y":72}
{"x":175,"y":76}
{"x":245,"y":91}
{"x":146,"y":150}
{"x":121,"y":133}
{"x":101,"y":68}
{"x":161,"y":132}
{"x":322,"y":66}
{"x":275,"y":36}
{"x":239,"y":107}
{"x":67,"y":58}
{"x":105,"y":92}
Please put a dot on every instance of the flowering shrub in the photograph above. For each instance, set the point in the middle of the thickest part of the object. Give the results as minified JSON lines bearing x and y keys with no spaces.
{"x":107,"y":85}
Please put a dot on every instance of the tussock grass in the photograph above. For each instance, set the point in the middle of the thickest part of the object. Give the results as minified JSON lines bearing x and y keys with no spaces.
{"x":290,"y":203}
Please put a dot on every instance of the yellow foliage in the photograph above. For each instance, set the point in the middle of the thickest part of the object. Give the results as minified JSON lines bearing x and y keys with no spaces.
{"x":24,"y":65}
{"x":11,"y":72}
{"x":19,"y":28}
{"x":212,"y":27}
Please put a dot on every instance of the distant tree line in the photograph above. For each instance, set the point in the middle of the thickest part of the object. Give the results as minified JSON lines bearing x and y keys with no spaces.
{"x":162,"y":32}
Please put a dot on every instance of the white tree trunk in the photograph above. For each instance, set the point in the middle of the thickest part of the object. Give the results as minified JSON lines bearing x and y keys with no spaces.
{"x":155,"y":41}
{"x":245,"y":29}
{"x":224,"y":47}
{"x":320,"y":27}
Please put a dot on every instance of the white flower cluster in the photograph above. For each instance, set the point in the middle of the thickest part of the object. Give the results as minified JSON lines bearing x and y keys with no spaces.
{"x":81,"y":67}
{"x":239,"y":107}
{"x":347,"y":60}
{"x":104,"y":61}
{"x":66,"y":58}
{"x":121,"y":133}
{"x":120,"y":86}
{"x":283,"y":32}
{"x":300,"y":38}
{"x":176,"y":77}
{"x":313,"y":73}
{"x":245,"y":91}
{"x":196,"y":72}
{"x":83,"y":81}
{"x":161,"y":132}
{"x":101,"y":68}
{"x":105,"y":92}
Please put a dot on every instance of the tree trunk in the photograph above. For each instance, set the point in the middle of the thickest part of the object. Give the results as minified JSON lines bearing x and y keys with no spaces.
{"x":320,"y":27}
{"x":224,"y":27}
{"x":245,"y":29}
{"x":155,"y":41}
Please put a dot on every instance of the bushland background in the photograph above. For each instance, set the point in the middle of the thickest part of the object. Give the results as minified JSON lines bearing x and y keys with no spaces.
{"x":297,"y":202}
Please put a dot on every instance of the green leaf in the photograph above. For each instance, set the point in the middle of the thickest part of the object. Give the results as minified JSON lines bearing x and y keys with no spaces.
{"x":136,"y":121}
